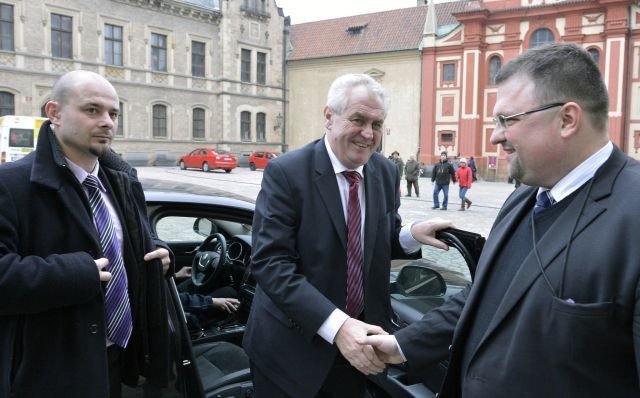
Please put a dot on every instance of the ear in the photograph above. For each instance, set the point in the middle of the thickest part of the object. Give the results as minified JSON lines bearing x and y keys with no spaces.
{"x":327,"y":117}
{"x":52,"y":109}
{"x":571,"y":114}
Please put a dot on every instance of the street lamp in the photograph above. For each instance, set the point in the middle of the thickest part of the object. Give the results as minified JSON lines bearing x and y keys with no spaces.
{"x":278,"y":123}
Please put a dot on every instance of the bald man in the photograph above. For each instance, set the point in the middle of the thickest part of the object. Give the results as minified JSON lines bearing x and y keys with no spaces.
{"x":69,"y":250}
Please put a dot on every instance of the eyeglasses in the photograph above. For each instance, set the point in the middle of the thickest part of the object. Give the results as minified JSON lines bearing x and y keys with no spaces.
{"x":502,"y":121}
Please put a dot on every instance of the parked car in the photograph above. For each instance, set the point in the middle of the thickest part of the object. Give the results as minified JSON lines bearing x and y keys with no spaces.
{"x":260,"y":159}
{"x":210,"y":230}
{"x":208,"y":159}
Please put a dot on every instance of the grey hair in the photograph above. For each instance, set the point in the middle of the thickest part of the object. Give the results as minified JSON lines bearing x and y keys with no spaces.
{"x":340,"y":90}
{"x":563,"y":72}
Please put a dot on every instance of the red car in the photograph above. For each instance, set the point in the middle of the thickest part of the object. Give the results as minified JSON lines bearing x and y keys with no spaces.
{"x":208,"y":159}
{"x":259,"y":159}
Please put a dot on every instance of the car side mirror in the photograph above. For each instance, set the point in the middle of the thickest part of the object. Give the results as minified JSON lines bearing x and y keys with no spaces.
{"x":204,"y":226}
{"x":414,"y":280}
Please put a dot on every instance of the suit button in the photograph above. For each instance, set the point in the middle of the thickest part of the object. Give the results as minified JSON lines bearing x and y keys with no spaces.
{"x":450,"y":347}
{"x":93,"y":328}
{"x":437,"y":394}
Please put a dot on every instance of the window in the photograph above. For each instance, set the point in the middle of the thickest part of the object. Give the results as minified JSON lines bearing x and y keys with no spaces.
{"x":261,"y":121}
{"x":7,"y":105}
{"x":258,"y":6}
{"x":245,"y":59}
{"x":158,"y":52}
{"x":261,"y":68}
{"x":61,"y":37}
{"x":595,"y":55}
{"x":448,"y":72}
{"x":245,"y":126}
{"x":198,"y":123}
{"x":6,"y":27}
{"x":159,"y":121}
{"x":120,"y":131}
{"x":494,"y":67}
{"x":197,"y":58}
{"x":113,"y":44}
{"x":540,"y":37}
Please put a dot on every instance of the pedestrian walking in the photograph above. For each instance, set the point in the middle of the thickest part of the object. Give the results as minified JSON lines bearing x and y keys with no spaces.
{"x":465,"y":177}
{"x":412,"y":171}
{"x":443,"y":173}
{"x":397,"y":160}
{"x":474,"y":169}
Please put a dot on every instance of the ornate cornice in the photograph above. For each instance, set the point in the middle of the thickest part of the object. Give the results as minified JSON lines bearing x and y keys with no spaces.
{"x":177,"y":8}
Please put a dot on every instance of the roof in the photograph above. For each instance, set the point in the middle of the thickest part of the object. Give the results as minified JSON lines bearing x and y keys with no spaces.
{"x":393,"y":30}
{"x":211,"y":5}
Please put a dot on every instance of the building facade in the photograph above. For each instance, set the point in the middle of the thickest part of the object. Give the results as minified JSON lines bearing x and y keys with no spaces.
{"x":460,"y":63}
{"x":189,"y":73}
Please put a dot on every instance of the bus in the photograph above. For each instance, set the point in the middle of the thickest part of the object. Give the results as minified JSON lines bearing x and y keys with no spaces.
{"x":18,"y":136}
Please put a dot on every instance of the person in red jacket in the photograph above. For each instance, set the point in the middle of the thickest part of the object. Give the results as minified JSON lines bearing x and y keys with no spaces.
{"x":464,"y":175}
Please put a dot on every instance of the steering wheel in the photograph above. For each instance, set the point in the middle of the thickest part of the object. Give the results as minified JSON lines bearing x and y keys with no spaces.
{"x":207,"y":264}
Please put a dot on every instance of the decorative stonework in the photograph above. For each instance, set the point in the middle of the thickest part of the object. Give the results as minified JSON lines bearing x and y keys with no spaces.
{"x":7,"y":59}
{"x":199,"y":83}
{"x":59,"y":65}
{"x":114,"y":73}
{"x":177,"y":9}
{"x":159,"y":78}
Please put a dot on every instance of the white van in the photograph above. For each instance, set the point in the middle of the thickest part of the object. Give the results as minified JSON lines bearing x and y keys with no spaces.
{"x":18,"y":136}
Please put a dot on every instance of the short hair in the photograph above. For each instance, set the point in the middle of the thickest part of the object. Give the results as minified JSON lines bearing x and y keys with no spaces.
{"x":443,"y":153}
{"x":395,"y":153}
{"x":340,"y":90}
{"x":563,"y":72}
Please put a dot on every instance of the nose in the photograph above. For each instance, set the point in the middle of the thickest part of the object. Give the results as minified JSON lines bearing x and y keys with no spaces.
{"x":106,"y":120}
{"x":497,"y":135}
{"x":367,"y":131}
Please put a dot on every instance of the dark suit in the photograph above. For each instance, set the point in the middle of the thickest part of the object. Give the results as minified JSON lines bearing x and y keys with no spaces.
{"x":537,"y":345}
{"x":52,"y":318}
{"x":300,"y":262}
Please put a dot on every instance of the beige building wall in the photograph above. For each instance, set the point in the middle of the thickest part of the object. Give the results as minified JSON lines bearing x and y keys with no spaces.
{"x":29,"y":71}
{"x":398,"y":72}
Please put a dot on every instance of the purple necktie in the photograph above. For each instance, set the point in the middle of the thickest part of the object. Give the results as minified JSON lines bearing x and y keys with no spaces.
{"x":117,"y":306}
{"x":355,"y":291}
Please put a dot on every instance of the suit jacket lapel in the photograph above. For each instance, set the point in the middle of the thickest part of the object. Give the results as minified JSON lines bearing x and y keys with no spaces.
{"x":373,"y":189}
{"x":554,"y":241}
{"x":327,"y":187}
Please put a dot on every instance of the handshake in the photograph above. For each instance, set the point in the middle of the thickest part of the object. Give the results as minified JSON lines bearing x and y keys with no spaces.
{"x":367,"y":347}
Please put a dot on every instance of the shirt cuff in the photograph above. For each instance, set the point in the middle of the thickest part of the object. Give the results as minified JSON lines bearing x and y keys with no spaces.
{"x":404,"y":359}
{"x":408,"y":243}
{"x":331,"y":325}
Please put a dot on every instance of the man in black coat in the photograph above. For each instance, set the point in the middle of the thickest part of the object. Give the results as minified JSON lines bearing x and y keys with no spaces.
{"x":53,"y":270}
{"x":443,"y":174}
{"x":301,"y":331}
{"x":554,"y":309}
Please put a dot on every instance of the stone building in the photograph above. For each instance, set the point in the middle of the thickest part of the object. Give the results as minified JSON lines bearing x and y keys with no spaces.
{"x":189,"y":73}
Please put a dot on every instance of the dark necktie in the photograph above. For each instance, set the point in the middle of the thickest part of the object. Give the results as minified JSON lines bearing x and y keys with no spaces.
{"x":355,"y":291}
{"x":544,"y":200}
{"x":117,"y":306}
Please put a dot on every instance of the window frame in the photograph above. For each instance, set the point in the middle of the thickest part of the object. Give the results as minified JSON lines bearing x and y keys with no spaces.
{"x":7,"y":42}
{"x":261,"y":127}
{"x":61,"y":37}
{"x":159,"y":122}
{"x":198,"y":58}
{"x":7,"y":107}
{"x":261,"y":67}
{"x":198,"y":126}
{"x":445,"y":72}
{"x":245,"y":65}
{"x":110,"y":42}
{"x":535,"y":41}
{"x":245,"y":126}
{"x":158,"y":52}
{"x":493,"y":70}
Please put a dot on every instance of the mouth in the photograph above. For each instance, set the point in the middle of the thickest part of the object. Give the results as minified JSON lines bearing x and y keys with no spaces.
{"x":361,"y":145}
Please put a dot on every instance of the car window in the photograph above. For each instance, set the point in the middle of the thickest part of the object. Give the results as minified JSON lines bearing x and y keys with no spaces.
{"x":176,"y":229}
{"x":449,"y":263}
{"x":222,"y":152}
{"x":259,"y":154}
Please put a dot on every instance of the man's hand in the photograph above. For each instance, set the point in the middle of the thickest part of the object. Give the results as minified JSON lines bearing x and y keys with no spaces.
{"x":101,"y":263}
{"x":361,"y":357}
{"x":425,"y":232}
{"x":385,"y":346}
{"x":184,"y":272}
{"x":163,"y":255}
{"x":227,"y":304}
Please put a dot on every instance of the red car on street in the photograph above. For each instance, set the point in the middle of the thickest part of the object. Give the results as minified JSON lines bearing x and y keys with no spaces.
{"x":208,"y":159}
{"x":259,"y":159}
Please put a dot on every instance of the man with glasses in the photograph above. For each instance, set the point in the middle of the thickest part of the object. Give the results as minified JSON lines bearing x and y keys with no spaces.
{"x":554,"y":307}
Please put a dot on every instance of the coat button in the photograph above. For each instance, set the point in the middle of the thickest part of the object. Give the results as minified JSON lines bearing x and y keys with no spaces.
{"x":450,"y":347}
{"x":93,"y":328}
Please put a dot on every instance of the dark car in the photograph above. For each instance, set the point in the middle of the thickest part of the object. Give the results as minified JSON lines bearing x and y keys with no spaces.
{"x":260,"y":159}
{"x":208,"y":159}
{"x":211,"y":231}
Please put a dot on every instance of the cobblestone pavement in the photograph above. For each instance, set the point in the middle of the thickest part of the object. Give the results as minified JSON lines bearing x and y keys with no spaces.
{"x":487,"y":199}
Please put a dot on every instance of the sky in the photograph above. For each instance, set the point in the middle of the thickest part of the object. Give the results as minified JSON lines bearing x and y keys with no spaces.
{"x":302,"y":11}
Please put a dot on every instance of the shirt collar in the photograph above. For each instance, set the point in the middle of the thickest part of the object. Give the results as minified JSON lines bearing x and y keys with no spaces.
{"x":338,"y":167}
{"x":580,"y":174}
{"x":81,"y":174}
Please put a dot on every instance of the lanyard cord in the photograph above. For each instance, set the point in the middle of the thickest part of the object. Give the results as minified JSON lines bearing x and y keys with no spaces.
{"x":566,"y":253}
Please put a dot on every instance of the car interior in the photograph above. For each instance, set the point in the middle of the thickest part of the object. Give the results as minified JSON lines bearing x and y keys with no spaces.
{"x":216,"y":243}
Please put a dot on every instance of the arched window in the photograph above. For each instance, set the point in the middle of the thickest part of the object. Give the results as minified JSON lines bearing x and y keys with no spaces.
{"x":540,"y":37}
{"x":494,"y":67}
{"x":595,"y":55}
{"x":159,"y":121}
{"x":7,"y":104}
{"x":245,"y":126}
{"x":198,"y":123}
{"x":261,"y":128}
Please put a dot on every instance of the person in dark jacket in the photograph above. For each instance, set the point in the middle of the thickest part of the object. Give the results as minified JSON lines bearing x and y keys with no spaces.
{"x":54,"y":273}
{"x":443,"y":173}
{"x":412,"y":169}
